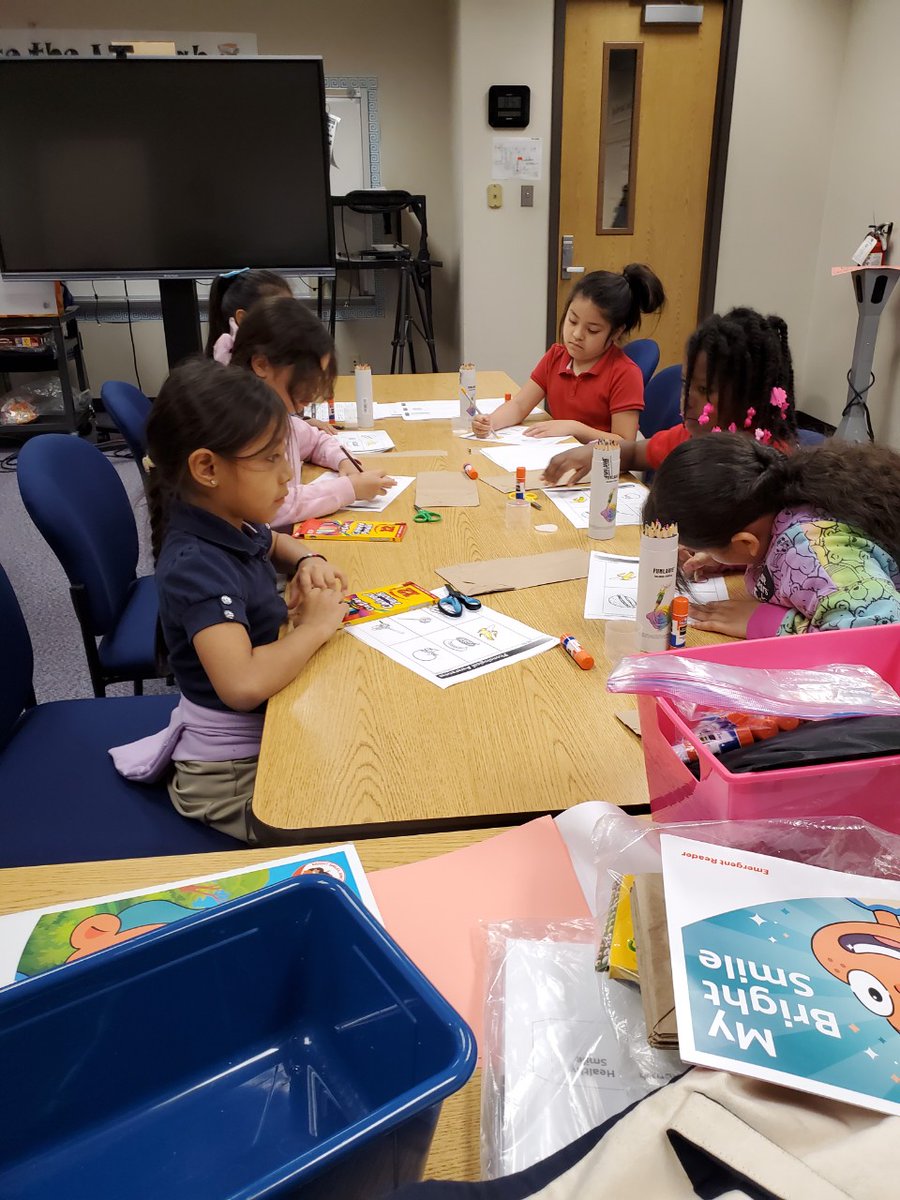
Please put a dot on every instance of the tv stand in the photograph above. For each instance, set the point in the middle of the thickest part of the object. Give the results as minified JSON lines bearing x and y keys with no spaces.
{"x":181,"y":319}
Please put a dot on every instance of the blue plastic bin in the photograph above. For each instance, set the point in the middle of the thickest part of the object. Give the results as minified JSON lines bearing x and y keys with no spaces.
{"x":280,"y":1045}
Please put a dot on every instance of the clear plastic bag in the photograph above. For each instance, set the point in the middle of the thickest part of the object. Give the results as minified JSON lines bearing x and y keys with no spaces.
{"x":815,"y":694}
{"x":553,"y":1062}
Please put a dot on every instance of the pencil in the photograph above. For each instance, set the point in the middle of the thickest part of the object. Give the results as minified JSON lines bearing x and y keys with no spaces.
{"x":355,"y":461}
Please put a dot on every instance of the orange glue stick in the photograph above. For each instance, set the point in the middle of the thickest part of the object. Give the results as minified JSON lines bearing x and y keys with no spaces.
{"x":469,"y":470}
{"x":520,"y":483}
{"x":573,"y":647}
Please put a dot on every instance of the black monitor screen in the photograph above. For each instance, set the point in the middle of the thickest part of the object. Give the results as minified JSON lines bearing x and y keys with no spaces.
{"x":163,"y":166}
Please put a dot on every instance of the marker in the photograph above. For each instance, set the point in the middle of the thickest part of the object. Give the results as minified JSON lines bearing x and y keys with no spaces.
{"x":520,"y":483}
{"x":469,"y":470}
{"x":678,"y":634}
{"x":573,"y":648}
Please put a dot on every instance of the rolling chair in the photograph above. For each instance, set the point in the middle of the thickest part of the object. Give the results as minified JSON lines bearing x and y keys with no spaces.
{"x":810,"y":437}
{"x":62,"y":799}
{"x":129,"y":409}
{"x":645,"y":353}
{"x":662,"y":402}
{"x":79,"y":505}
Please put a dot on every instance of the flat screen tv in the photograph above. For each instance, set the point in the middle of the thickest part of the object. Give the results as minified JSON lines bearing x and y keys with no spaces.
{"x":163,"y":167}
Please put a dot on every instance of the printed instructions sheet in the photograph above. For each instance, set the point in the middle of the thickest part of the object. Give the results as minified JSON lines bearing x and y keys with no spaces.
{"x":611,"y":593}
{"x":575,"y":503}
{"x":448,"y":650}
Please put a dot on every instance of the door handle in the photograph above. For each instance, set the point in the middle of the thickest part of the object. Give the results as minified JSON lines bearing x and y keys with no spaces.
{"x":566,"y":269}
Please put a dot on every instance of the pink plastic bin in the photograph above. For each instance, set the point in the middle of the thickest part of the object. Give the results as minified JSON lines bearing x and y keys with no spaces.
{"x":864,"y":789}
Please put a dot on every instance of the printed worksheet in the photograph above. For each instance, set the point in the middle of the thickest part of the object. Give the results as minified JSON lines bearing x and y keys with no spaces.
{"x":515,"y":435}
{"x":611,"y":593}
{"x":444,"y":410}
{"x":533,"y":454}
{"x":448,"y":650}
{"x":575,"y":503}
{"x":345,"y":412}
{"x":365,"y":441}
{"x":380,"y":503}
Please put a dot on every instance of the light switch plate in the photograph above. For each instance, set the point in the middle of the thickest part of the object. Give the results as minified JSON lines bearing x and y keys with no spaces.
{"x":527,"y":195}
{"x":495,"y":195}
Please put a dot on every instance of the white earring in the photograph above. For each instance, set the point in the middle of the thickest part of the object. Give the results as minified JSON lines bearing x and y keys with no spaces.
{"x":214,"y":483}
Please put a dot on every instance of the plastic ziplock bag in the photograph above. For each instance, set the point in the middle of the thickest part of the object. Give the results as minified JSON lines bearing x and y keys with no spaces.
{"x":553,"y":1065}
{"x":819,"y":694}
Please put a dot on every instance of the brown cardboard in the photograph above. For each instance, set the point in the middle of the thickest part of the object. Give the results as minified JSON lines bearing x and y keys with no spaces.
{"x":508,"y":574}
{"x":651,"y":937}
{"x":445,"y":489}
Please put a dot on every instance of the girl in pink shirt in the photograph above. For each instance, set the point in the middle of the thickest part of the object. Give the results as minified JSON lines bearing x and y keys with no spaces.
{"x":289,"y":348}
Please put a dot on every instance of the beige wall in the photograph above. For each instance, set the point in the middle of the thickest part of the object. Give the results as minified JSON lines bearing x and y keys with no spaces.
{"x":786,"y":96}
{"x":503,"y":274}
{"x":405,"y":43}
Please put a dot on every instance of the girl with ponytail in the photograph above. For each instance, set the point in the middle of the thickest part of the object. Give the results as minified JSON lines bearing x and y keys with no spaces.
{"x":590,"y":385}
{"x":818,"y":531}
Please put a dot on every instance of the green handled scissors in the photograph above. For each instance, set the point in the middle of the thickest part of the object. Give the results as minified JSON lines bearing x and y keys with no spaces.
{"x":424,"y":516}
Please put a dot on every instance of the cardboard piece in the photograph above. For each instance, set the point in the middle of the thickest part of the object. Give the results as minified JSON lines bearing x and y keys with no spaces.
{"x":434,"y":908}
{"x":631,"y":719}
{"x":393,"y":455}
{"x":507,"y":481}
{"x":651,"y":936}
{"x":445,"y":489}
{"x":508,"y":574}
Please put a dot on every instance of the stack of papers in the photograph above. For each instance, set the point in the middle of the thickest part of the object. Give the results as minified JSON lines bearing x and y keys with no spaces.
{"x":365,"y":441}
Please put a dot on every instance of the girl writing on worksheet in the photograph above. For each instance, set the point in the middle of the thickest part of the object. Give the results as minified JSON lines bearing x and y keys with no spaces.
{"x":591,"y":387}
{"x":217,"y":474}
{"x":287,"y":346}
{"x":818,"y":531}
{"x":738,"y":377}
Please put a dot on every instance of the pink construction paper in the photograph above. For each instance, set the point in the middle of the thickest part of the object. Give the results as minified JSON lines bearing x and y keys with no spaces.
{"x":434,"y":908}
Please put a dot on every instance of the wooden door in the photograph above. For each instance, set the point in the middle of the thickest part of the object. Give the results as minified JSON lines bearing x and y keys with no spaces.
{"x":675,"y":102}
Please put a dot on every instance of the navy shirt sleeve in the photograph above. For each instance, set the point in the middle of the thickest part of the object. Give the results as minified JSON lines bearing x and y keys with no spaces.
{"x":204,"y":589}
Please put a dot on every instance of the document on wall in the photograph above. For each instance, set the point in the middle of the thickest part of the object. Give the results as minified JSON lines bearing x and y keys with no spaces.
{"x":516,"y":158}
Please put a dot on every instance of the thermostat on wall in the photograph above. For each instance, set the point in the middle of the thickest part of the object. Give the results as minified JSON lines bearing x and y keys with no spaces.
{"x":509,"y":106}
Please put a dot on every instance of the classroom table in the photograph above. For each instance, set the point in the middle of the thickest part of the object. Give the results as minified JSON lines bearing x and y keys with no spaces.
{"x":359,"y":746}
{"x":455,"y":1150}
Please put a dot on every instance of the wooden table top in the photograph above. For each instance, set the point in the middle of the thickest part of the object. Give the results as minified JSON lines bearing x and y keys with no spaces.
{"x":357,"y":745}
{"x":455,"y":1149}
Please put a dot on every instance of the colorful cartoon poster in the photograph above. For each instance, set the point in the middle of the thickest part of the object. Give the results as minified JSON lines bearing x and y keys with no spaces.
{"x":38,"y":940}
{"x":786,"y":972}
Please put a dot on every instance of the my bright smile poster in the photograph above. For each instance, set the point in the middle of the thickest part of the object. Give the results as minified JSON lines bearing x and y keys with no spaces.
{"x":786,"y":972}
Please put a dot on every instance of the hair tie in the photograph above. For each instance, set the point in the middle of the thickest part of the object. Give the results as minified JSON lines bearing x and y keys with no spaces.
{"x":732,"y":428}
{"x":779,"y":400}
{"x":703,"y":419}
{"x":762,"y":435}
{"x":147,"y":463}
{"x":236,"y":271}
{"x":748,"y":420}
{"x":224,"y":346}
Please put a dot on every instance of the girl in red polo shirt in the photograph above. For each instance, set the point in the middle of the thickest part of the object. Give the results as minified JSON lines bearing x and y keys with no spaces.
{"x":591,"y":386}
{"x":738,"y":378}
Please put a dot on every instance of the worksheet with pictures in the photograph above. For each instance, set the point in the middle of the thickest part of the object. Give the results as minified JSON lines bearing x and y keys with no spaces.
{"x":611,"y":593}
{"x":575,"y":503}
{"x":448,"y":650}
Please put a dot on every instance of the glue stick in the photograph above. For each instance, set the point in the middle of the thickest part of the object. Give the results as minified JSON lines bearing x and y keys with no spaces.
{"x":678,"y":632}
{"x":573,"y":647}
{"x":520,"y":483}
{"x":469,"y":470}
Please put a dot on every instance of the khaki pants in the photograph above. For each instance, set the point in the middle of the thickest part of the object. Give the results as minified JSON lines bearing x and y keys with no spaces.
{"x":216,"y":793}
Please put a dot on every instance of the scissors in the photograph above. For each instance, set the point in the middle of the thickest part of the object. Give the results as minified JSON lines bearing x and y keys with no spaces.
{"x":454,"y":602}
{"x":424,"y":516}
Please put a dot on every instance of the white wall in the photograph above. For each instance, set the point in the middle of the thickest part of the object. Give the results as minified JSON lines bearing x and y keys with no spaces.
{"x":503,"y":252}
{"x":786,"y":97}
{"x":405,"y":43}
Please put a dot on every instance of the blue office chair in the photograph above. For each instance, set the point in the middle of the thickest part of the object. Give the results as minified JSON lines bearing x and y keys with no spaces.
{"x":662,"y":402}
{"x":129,"y":409}
{"x":61,"y":798}
{"x":809,"y":437}
{"x":77,"y":501}
{"x":645,"y":353}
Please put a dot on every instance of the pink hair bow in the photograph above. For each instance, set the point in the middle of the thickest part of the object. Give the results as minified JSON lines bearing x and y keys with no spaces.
{"x":224,"y":346}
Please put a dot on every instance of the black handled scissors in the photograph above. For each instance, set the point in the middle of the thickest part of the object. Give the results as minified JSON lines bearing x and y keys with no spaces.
{"x":454,"y":602}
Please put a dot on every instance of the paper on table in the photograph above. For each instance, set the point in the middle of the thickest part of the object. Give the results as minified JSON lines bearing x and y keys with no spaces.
{"x":508,"y":574}
{"x":507,"y":482}
{"x":515,"y":435}
{"x":434,"y":908}
{"x":344,"y":411}
{"x":383,"y":411}
{"x":380,"y":503}
{"x":575,"y":503}
{"x":444,"y":410}
{"x":445,"y":489}
{"x":37,"y":940}
{"x":611,"y":593}
{"x":447,"y":650}
{"x":535,"y":453}
{"x":367,"y":441}
{"x":576,"y":825}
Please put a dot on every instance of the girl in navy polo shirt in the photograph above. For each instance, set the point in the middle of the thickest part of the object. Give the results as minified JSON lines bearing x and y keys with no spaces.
{"x":591,"y":386}
{"x":217,"y":473}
